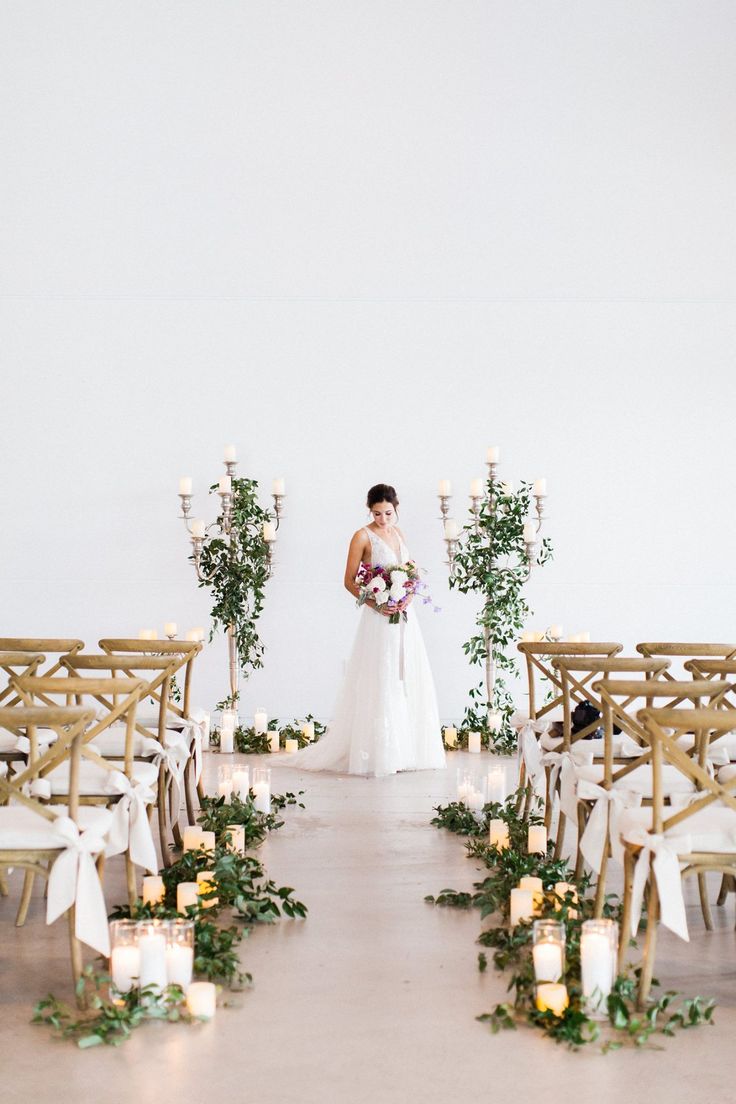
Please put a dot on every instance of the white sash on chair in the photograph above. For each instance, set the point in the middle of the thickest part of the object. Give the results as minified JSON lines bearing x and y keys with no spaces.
{"x":73,"y":880}
{"x":659,"y":854}
{"x":130,"y":828}
{"x":603,"y":821}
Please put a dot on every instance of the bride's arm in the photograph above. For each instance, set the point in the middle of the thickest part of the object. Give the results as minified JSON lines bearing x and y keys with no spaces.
{"x":356,"y":555}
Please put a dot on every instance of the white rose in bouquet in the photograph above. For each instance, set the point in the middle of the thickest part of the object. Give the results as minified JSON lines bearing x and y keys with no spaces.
{"x":376,"y":585}
{"x":398,"y":579}
{"x":381,"y":598}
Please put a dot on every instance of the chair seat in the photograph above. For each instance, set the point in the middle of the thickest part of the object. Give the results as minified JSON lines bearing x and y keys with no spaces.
{"x":639,"y":780}
{"x":722,"y":750}
{"x":150,"y":720}
{"x":95,"y":780}
{"x":23,"y":829}
{"x":111,"y":742}
{"x":585,"y":750}
{"x":711,"y":829}
{"x":44,"y":736}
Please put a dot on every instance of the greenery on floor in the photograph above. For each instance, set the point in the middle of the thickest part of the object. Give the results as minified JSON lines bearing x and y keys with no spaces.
{"x":238,"y":889}
{"x":249,"y":742}
{"x":512,"y":947}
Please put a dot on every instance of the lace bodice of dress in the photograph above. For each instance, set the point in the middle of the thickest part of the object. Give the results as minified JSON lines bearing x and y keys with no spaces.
{"x":383,"y":554}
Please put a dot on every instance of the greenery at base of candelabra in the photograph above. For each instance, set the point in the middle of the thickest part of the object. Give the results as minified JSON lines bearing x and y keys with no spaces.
{"x":512,"y":946}
{"x":249,"y":742}
{"x":234,"y":566}
{"x":491,"y":560}
{"x":496,"y":740}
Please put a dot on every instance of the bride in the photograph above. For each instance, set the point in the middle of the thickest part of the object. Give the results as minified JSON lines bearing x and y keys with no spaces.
{"x":386,"y":718}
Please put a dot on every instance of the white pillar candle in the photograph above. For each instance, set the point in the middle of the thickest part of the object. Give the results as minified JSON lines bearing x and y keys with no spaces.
{"x":445,"y":488}
{"x":146,"y":634}
{"x":547,"y":961}
{"x":474,"y":742}
{"x":125,"y":967}
{"x":279,"y":487}
{"x":597,"y":969}
{"x":450,"y":736}
{"x":260,"y":720}
{"x":202,"y":1000}
{"x":584,"y":637}
{"x":152,"y":947}
{"x":230,"y":454}
{"x":274,"y":740}
{"x":529,"y":881}
{"x":186,"y":895}
{"x":495,"y":720}
{"x":308,"y":730}
{"x":179,"y":961}
{"x":227,"y":741}
{"x":226,"y":484}
{"x":291,"y":744}
{"x":452,"y":529}
{"x":530,"y":532}
{"x":540,"y":487}
{"x":476,"y":488}
{"x":208,"y":841}
{"x":241,"y":782}
{"x":537,"y":839}
{"x":475,"y":799}
{"x":552,"y":997}
{"x":499,"y":834}
{"x":153,"y":889}
{"x":198,"y":528}
{"x":555,"y":631}
{"x":522,"y":905}
{"x":170,"y":628}
{"x":562,"y":889}
{"x":494,"y":454}
{"x":269,"y":532}
{"x":206,"y":883}
{"x":237,"y":837}
{"x":192,"y":837}
{"x":262,"y":797}
{"x":185,"y":485}
{"x":225,"y":789}
{"x":497,"y":784}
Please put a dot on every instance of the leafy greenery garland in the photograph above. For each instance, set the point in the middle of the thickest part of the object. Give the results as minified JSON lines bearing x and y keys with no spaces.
{"x":235,"y":570}
{"x":239,"y":883}
{"x":512,"y":946}
{"x":491,"y":561}
{"x":250,"y":742}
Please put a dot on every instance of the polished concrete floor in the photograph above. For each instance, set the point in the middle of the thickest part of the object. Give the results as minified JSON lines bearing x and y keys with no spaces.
{"x":372,"y":998}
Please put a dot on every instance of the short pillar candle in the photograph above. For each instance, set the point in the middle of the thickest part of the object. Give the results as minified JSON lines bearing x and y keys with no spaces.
{"x":153,"y":889}
{"x":260,"y":721}
{"x":537,"y":839}
{"x":202,"y":1000}
{"x":187,"y":894}
{"x":552,"y":997}
{"x":273,"y":740}
{"x":499,"y":834}
{"x":450,"y":736}
{"x":474,"y":742}
{"x":522,"y":905}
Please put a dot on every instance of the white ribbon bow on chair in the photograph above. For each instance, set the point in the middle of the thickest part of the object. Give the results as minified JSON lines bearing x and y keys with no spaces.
{"x":74,"y":881}
{"x":175,"y":755}
{"x":661,"y":855}
{"x":561,"y":766}
{"x":195,"y":731}
{"x":130,"y":828}
{"x":603,"y":821}
{"x":530,"y":753}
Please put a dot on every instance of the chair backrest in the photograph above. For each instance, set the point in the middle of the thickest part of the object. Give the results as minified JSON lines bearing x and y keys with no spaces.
{"x":539,"y":656}
{"x":664,"y":729}
{"x":715,"y":669}
{"x":188,"y":650}
{"x":118,"y":696}
{"x":685,"y":651}
{"x":622,"y":701}
{"x":69,"y":723}
{"x":17,"y":663}
{"x":154,"y":671}
{"x":53,"y":649}
{"x":576,"y":675}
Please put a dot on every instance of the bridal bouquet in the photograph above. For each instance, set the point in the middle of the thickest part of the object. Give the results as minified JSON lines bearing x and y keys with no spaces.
{"x":389,"y":586}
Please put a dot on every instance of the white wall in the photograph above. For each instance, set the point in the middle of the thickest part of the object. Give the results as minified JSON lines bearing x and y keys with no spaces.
{"x":363,"y":240}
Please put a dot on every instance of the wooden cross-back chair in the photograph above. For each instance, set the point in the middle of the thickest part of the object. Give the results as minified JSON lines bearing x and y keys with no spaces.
{"x":53,"y":649}
{"x":13,"y":664}
{"x":621,"y":704}
{"x":178,"y":714}
{"x":154,"y":673}
{"x":33,"y":838}
{"x":692,"y":839}
{"x":101,"y":782}
{"x":540,"y":657}
{"x":684,"y":651}
{"x":575,"y":676}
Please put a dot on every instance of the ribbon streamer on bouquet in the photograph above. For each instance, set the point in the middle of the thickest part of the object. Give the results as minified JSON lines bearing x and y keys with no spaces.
{"x":130,"y":829}
{"x":660,"y":855}
{"x":74,"y":881}
{"x":603,"y":822}
{"x":402,"y":655}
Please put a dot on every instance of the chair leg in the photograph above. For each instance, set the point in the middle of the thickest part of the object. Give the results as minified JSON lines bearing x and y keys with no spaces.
{"x":131,"y":879}
{"x":624,"y":935}
{"x":650,"y":946}
{"x":25,"y":898}
{"x":3,"y":884}
{"x":188,"y":792}
{"x":704,"y":902}
{"x":162,"y":826}
{"x":600,"y":889}
{"x":76,"y":955}
{"x":200,"y":791}
{"x":728,"y":885}
{"x":582,"y":819}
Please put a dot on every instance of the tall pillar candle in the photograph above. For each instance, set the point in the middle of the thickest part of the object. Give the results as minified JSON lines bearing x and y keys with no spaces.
{"x":241,"y":782}
{"x":152,"y":947}
{"x":537,"y":839}
{"x":522,"y":905}
{"x":308,"y":730}
{"x":260,"y":721}
{"x":450,"y":736}
{"x":598,"y":946}
{"x":499,"y":834}
{"x":474,"y":742}
{"x":273,"y":740}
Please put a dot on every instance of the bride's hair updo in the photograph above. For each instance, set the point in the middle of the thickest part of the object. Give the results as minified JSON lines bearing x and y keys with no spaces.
{"x":382,"y":492}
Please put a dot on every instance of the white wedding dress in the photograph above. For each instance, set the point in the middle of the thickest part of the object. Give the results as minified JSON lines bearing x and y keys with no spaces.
{"x":386,"y":717}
